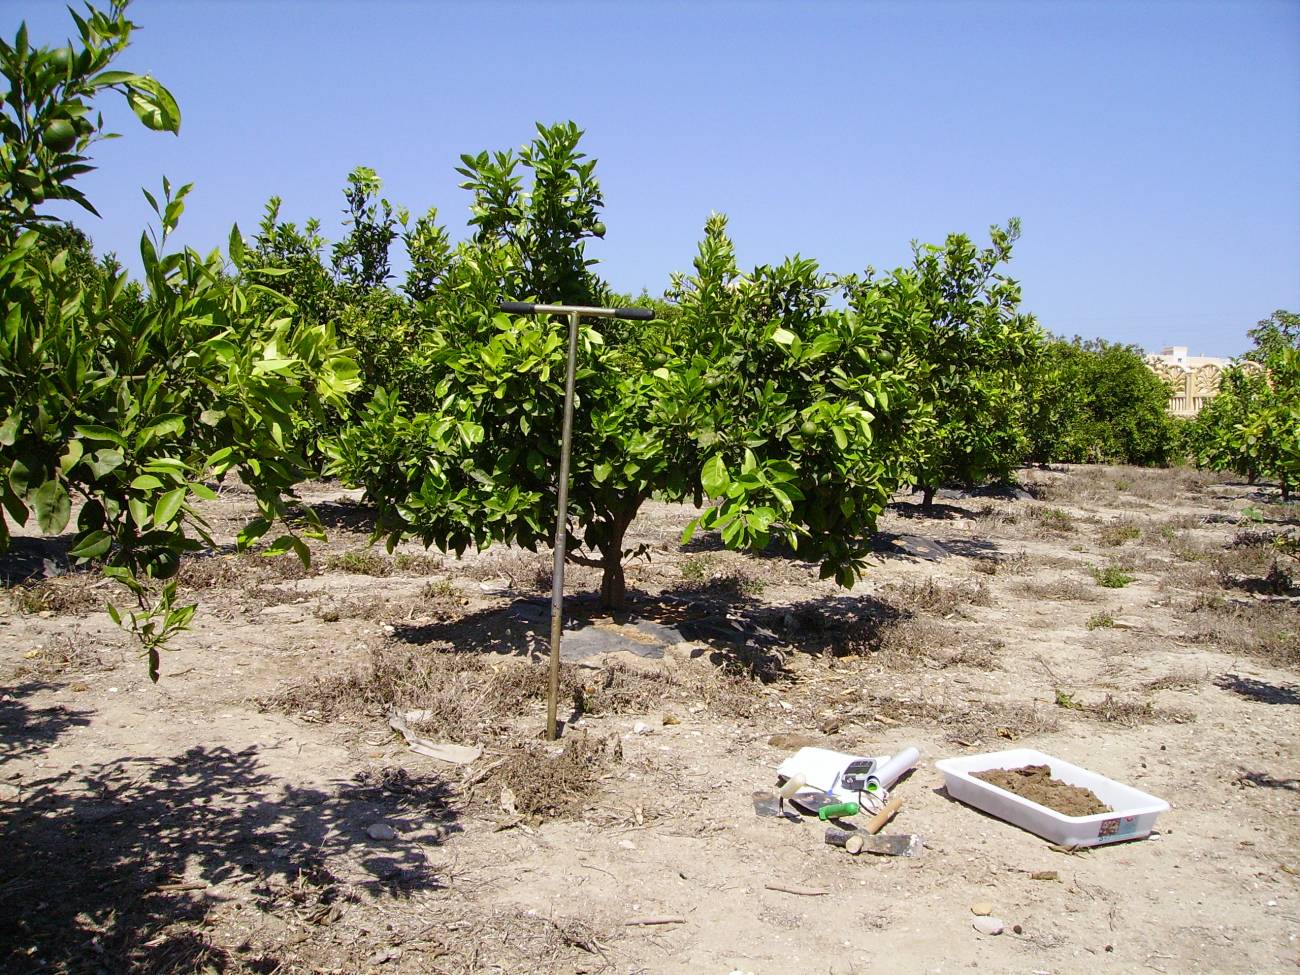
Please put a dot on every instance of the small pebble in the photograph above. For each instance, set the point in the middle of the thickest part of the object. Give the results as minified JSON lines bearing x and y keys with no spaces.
{"x":640,"y":728}
{"x":627,"y":844}
{"x":988,"y":925}
{"x":1017,"y":929}
{"x":381,"y":831}
{"x":981,"y":909}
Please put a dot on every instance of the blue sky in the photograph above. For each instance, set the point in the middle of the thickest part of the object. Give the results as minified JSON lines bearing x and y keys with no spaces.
{"x":1152,"y":150}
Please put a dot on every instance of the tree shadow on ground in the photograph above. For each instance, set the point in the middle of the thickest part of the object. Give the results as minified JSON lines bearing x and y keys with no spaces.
{"x":27,"y":730}
{"x":29,"y":559}
{"x":1259,"y":691}
{"x":351,"y":516}
{"x":938,"y":511}
{"x":728,"y":623}
{"x":117,"y":867}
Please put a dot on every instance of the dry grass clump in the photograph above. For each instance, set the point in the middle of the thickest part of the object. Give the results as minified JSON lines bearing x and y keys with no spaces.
{"x":910,"y":640}
{"x":361,"y":561}
{"x":1052,"y":521}
{"x":1174,"y":682}
{"x":1252,"y":561}
{"x":1283,"y":514}
{"x":707,"y":577}
{"x":1269,"y":630}
{"x":1010,"y":563}
{"x":62,"y":655}
{"x":1166,"y":528}
{"x":966,"y":722}
{"x":367,"y":607}
{"x":368,"y":562}
{"x":993,"y":515}
{"x":1099,"y":483}
{"x":468,"y":697}
{"x":1190,"y":549}
{"x":475,"y":939}
{"x":75,"y":596}
{"x":548,"y":782}
{"x":977,"y":656}
{"x":1168,"y":484}
{"x":1119,"y":531}
{"x":933,"y":594}
{"x":1061,"y":590}
{"x":1130,"y":712}
{"x":239,"y":571}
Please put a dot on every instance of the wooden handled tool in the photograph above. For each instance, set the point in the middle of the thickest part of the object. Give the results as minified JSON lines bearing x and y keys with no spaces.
{"x":877,"y":822}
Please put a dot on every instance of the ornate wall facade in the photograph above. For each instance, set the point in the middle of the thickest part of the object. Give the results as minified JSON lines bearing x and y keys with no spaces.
{"x":1193,"y":386}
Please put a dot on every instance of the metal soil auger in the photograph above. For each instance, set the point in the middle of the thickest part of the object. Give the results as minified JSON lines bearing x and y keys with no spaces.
{"x":562,"y":494}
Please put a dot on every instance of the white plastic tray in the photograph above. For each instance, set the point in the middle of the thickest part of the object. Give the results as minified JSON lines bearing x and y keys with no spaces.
{"x":1133,"y":818}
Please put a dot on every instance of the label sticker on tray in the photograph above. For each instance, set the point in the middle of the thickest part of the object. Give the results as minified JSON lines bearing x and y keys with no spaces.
{"x":1120,"y":826}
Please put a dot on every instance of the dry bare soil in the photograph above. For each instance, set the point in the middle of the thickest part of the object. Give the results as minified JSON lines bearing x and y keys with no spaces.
{"x":1139,"y":623}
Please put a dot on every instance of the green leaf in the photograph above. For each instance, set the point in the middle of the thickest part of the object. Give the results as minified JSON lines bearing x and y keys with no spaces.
{"x":104,"y":462}
{"x":601,"y":472}
{"x":93,"y":431}
{"x":153,"y":104}
{"x":139,"y":512}
{"x":714,"y":478}
{"x":20,"y":477}
{"x":91,"y":545}
{"x":52,"y":506}
{"x":251,"y":532}
{"x":236,"y":246}
{"x":783,"y":336}
{"x":170,"y":503}
{"x":9,"y":430}
{"x":280,"y":546}
{"x":71,"y":456}
{"x":689,"y":531}
{"x":145,"y":482}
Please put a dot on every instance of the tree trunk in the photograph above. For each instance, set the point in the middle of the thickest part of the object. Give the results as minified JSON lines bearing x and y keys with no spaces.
{"x":613,"y":581}
{"x":1286,"y":488}
{"x":613,"y":584}
{"x":927,"y":498}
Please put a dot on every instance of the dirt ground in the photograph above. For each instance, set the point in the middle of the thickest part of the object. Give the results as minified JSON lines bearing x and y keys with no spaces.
{"x":1139,"y":623}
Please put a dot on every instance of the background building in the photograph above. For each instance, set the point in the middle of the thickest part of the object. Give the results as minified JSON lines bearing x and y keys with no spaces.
{"x":1195,"y":378}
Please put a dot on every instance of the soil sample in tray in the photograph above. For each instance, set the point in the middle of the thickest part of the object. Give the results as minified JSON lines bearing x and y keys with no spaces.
{"x":1035,"y":783}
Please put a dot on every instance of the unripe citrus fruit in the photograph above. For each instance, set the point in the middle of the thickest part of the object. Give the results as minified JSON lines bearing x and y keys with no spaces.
{"x":60,"y":135}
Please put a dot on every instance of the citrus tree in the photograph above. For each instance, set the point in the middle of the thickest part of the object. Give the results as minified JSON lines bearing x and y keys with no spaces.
{"x":125,"y":398}
{"x":1252,"y":427}
{"x":1215,"y":438}
{"x":788,"y":417}
{"x":1097,"y":402}
{"x":976,"y":347}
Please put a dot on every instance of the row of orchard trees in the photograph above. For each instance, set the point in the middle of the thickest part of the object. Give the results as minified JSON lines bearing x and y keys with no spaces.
{"x":784,"y":400}
{"x":1252,"y":427}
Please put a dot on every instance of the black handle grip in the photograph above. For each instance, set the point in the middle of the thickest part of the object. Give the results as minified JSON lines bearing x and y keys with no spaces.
{"x":636,"y":314}
{"x":517,"y":307}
